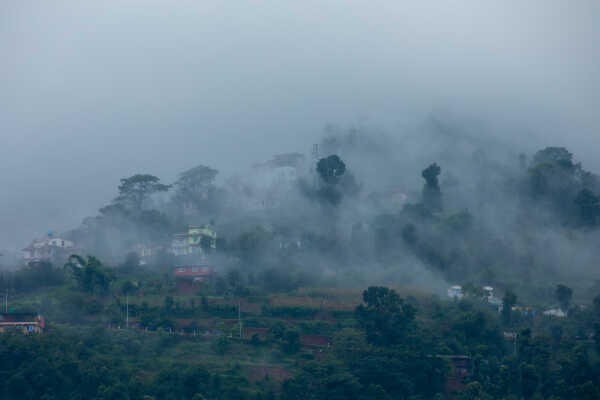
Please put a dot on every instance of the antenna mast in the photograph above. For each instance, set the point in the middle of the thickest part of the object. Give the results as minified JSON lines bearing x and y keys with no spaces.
{"x":313,"y":169}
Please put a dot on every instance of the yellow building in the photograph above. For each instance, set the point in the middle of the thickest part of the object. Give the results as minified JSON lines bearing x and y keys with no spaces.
{"x":194,"y":241}
{"x":196,"y":233}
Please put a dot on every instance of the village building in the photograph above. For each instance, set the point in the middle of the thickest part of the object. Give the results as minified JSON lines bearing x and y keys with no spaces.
{"x":492,"y":300}
{"x":146,"y":251}
{"x":48,"y":249}
{"x":21,"y":322}
{"x":555,"y":312}
{"x":189,"y":277}
{"x":455,"y":292}
{"x":197,"y":240}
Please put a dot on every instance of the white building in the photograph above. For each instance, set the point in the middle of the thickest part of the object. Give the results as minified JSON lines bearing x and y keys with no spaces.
{"x":47,"y":249}
{"x":455,"y":292}
{"x":555,"y":312}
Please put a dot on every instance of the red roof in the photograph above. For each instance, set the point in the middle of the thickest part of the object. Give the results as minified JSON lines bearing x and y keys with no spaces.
{"x":192,"y":271}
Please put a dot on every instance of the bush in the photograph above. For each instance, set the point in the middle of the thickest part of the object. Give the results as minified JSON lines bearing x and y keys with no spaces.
{"x":222,"y":345}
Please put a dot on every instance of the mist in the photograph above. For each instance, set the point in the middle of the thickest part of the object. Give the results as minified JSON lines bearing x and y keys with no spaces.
{"x":95,"y":92}
{"x":292,"y":200}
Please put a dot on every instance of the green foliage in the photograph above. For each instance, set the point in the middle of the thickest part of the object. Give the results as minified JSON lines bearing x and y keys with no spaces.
{"x":222,"y":345}
{"x":131,"y":262}
{"x":128,"y":287}
{"x":196,"y":179}
{"x":137,"y":188}
{"x":291,"y":342}
{"x":432,"y":196}
{"x":322,"y":380}
{"x":508,"y":301}
{"x":563,"y":296}
{"x":554,"y":155}
{"x":588,"y":205}
{"x":33,"y":276}
{"x":385,"y":317}
{"x":430,"y":174}
{"x":331,"y":168}
{"x":91,"y":276}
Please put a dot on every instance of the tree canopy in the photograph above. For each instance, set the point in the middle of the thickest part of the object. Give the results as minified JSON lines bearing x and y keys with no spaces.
{"x":331,"y":169}
{"x":137,"y":188}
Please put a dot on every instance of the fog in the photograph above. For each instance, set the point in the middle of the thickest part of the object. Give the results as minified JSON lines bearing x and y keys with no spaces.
{"x":91,"y":92}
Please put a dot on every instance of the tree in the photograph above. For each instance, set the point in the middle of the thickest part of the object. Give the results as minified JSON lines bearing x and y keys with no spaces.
{"x":206,"y":243}
{"x":221,"y":346}
{"x":563,"y":296}
{"x":472,"y":391}
{"x":331,"y":169}
{"x":91,"y":276}
{"x":291,"y":342}
{"x":195,"y":186}
{"x":197,"y":179}
{"x":168,"y":303}
{"x":384,"y":316}
{"x":554,"y":155}
{"x":430,"y":174}
{"x":432,"y":195}
{"x":409,"y":234}
{"x":596,"y":309}
{"x":234,"y":280}
{"x":131,"y":262}
{"x":529,"y":380}
{"x":133,"y":191}
{"x":509,"y":300}
{"x":324,"y":380}
{"x":588,"y":205}
{"x":128,"y":288}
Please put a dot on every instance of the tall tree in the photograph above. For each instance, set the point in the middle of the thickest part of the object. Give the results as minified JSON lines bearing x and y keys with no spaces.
{"x":91,"y":276}
{"x":432,"y":195}
{"x":331,"y":169}
{"x":554,"y":155}
{"x":563,"y":296}
{"x":133,"y":191}
{"x":509,"y":300}
{"x":385,"y":316}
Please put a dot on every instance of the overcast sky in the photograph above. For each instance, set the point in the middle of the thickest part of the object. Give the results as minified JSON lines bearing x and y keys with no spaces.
{"x":92,"y":91}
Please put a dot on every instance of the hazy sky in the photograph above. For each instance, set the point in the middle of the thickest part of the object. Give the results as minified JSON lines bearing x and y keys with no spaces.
{"x":92,"y":91}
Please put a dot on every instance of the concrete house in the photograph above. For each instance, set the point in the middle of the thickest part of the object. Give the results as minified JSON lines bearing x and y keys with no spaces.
{"x":48,"y":249}
{"x":21,"y":322}
{"x":195,"y":241}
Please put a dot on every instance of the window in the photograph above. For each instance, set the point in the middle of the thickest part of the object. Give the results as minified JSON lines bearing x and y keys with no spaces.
{"x":180,"y":269}
{"x":195,"y":269}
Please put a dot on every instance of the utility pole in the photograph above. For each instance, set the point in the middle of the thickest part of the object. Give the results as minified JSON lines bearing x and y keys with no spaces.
{"x":127,"y":315}
{"x":6,"y":301}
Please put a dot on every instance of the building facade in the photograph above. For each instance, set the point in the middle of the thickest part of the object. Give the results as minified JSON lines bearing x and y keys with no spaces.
{"x":21,"y":322}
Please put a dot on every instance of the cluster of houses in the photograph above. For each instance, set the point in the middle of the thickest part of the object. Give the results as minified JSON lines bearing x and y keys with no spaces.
{"x":197,"y":241}
{"x":456,"y":292}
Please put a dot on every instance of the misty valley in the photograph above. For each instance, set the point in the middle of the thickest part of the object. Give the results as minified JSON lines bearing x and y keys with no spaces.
{"x":435,"y":265}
